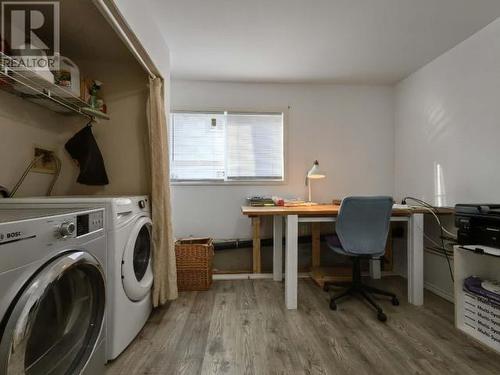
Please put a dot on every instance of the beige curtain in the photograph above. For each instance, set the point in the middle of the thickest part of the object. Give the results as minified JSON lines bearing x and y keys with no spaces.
{"x":165,"y":273}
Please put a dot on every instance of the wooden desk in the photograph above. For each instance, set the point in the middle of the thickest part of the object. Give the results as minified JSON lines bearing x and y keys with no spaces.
{"x":328,"y":213}
{"x":321,"y":210}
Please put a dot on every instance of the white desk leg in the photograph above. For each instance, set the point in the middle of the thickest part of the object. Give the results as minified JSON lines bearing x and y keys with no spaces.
{"x":291,"y":259}
{"x":416,"y":259}
{"x":375,"y":272}
{"x":277,"y":248}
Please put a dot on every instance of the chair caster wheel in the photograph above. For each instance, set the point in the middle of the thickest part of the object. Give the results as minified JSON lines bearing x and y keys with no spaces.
{"x":333,"y":305}
{"x":395,"y":301}
{"x":381,"y":316}
{"x":326,"y":287}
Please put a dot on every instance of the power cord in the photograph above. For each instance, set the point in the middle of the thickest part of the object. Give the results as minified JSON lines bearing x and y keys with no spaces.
{"x":433,"y":210}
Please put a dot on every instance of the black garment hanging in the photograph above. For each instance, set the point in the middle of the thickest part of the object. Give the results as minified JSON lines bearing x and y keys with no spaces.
{"x":83,"y":148}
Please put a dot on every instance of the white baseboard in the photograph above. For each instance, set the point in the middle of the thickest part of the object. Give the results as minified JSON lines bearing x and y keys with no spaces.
{"x":242,"y":276}
{"x":257,"y":276}
{"x":251,"y":276}
{"x":439,"y":291}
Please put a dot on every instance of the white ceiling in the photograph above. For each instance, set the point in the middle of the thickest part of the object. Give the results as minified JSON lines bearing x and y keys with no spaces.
{"x":351,"y":41}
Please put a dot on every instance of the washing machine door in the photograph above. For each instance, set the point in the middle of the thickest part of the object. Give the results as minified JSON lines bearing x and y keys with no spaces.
{"x":137,"y":273}
{"x":55,"y":323}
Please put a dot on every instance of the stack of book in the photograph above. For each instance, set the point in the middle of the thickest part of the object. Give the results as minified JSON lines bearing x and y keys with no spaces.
{"x":260,"y":201}
{"x":296,"y":203}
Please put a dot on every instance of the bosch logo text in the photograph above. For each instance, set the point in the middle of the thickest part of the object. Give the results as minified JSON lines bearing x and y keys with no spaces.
{"x":10,"y":236}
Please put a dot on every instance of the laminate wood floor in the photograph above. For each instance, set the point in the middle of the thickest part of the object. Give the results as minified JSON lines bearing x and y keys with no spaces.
{"x":242,"y":327}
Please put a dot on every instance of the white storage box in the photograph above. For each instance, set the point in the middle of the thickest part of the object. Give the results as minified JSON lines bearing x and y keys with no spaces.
{"x":482,"y":319}
{"x":476,"y":315}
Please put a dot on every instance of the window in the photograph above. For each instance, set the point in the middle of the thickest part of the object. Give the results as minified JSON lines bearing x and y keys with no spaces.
{"x":226,"y":146}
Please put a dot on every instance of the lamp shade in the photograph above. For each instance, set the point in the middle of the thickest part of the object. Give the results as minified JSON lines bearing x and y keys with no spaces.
{"x":315,"y":172}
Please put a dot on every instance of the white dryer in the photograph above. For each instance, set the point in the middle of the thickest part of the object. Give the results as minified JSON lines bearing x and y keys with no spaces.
{"x":130,"y":271}
{"x":129,"y":260}
{"x":53,"y":294}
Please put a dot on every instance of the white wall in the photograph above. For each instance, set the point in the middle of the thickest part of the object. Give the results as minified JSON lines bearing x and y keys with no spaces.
{"x":122,"y":139}
{"x":23,"y":125}
{"x":448,"y":113}
{"x":349,"y":129}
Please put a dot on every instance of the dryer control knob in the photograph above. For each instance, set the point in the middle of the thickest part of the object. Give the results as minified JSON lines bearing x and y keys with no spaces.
{"x":67,"y":228}
{"x":142,"y":204}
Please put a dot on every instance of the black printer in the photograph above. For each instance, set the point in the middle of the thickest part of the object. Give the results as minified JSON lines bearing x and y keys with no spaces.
{"x":478,"y":224}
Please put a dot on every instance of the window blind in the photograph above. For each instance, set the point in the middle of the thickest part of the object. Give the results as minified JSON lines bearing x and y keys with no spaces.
{"x":254,"y":146}
{"x":226,"y":146}
{"x":197,"y":146}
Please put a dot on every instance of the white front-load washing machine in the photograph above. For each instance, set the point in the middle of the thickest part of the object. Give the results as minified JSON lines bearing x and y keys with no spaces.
{"x":129,"y":260}
{"x":53,"y":291}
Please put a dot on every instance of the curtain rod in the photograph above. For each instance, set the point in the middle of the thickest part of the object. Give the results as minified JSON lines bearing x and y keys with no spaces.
{"x":111,"y":17}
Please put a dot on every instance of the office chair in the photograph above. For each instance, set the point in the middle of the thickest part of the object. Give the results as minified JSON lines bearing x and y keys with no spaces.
{"x":361,"y":232}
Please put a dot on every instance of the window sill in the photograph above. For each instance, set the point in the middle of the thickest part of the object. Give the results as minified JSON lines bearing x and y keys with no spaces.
{"x":227,"y":183}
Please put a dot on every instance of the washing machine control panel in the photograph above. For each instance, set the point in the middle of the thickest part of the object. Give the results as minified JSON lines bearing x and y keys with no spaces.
{"x":67,"y":229}
{"x":88,"y":223}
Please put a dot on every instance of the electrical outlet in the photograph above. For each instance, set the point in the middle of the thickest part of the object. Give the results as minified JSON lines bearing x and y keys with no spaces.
{"x":47,"y":164}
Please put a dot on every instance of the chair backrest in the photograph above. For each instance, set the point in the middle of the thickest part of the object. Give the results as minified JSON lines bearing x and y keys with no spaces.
{"x":363,"y":224}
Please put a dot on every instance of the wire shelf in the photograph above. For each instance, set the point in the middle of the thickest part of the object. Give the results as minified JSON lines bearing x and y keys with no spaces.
{"x":31,"y":86}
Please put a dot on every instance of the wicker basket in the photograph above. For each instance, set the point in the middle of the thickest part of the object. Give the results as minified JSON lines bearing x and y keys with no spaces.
{"x":194,"y":263}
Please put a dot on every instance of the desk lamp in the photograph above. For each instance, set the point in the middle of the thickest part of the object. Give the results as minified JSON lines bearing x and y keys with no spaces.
{"x":314,"y":174}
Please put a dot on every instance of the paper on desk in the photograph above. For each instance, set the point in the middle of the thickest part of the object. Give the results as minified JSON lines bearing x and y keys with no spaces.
{"x":400,"y":206}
